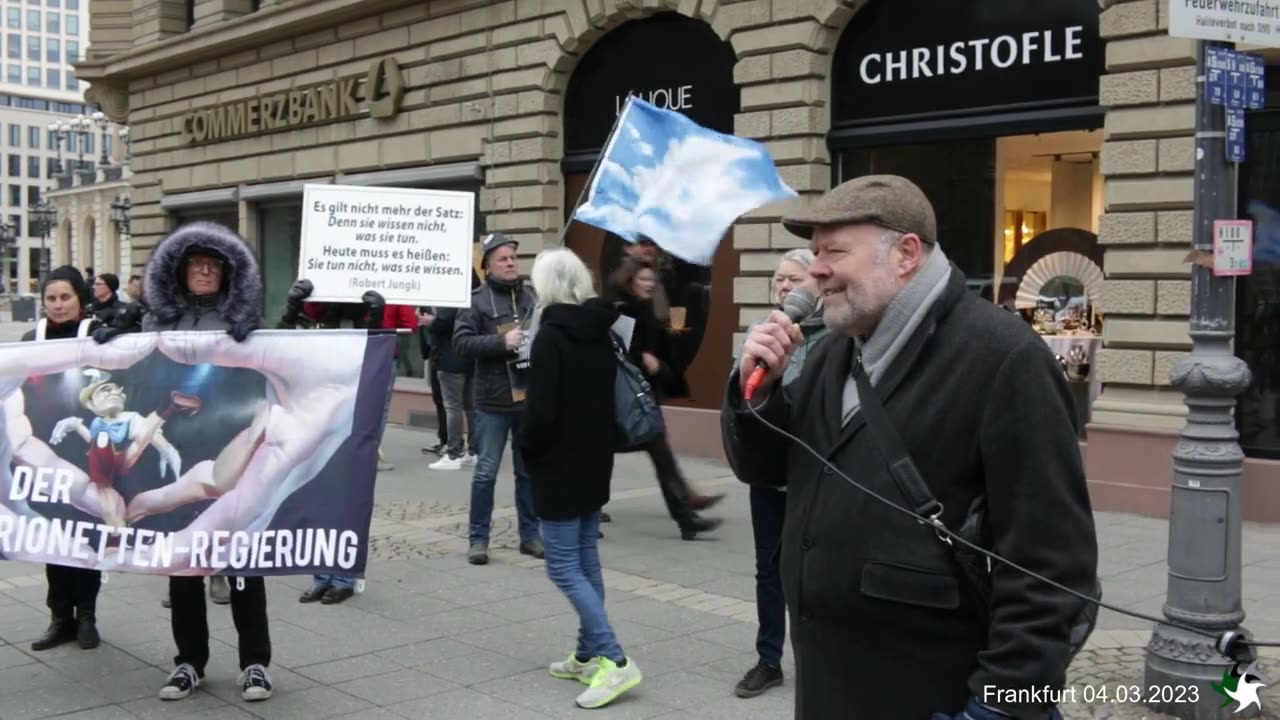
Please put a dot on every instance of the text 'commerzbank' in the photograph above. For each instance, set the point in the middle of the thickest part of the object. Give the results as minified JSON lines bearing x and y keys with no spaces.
{"x":379,"y":94}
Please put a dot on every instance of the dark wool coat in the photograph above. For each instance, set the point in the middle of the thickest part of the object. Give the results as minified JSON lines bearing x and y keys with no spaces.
{"x":882,"y":625}
{"x":649,"y":336}
{"x":477,"y":341}
{"x":172,"y":307}
{"x":567,"y":437}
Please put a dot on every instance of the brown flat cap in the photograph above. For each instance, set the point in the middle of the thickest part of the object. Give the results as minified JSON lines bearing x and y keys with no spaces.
{"x":890,"y":201}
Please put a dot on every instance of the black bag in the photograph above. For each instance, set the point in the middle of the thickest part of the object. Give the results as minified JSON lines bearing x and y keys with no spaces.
{"x":974,"y":566}
{"x":637,"y":414}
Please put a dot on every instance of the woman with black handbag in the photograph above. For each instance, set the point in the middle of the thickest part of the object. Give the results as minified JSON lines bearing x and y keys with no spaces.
{"x":631,"y":290}
{"x":567,"y":439}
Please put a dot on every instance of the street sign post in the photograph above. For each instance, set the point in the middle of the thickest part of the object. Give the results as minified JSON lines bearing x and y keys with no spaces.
{"x":1205,"y":574}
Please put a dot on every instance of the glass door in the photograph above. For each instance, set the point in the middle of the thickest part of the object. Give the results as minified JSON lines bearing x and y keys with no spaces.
{"x":958,"y":177}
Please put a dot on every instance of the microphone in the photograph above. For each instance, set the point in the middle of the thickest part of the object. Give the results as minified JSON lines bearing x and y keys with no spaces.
{"x":798,"y":305}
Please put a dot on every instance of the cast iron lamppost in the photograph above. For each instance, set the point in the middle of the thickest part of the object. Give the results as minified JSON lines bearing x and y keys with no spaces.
{"x":120,"y":213}
{"x":124,"y":137}
{"x":99,"y":118}
{"x":8,"y":239}
{"x":81,"y":127}
{"x":60,"y":131}
{"x":1204,"y":590}
{"x":43,"y":215}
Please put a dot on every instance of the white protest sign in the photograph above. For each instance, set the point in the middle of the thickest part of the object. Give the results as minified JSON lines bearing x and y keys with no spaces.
{"x":412,"y":246}
{"x":1252,"y":22}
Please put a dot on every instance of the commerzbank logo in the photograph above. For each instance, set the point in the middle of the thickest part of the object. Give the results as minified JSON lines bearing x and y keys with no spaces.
{"x":378,"y":93}
{"x":1242,"y":686}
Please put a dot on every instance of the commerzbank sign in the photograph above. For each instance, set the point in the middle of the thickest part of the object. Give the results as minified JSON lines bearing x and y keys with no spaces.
{"x":376,"y":94}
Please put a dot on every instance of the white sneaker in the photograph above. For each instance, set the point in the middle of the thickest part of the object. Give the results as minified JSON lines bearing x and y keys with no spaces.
{"x":469,"y":460}
{"x":446,"y":463}
{"x":255,"y":684}
{"x":572,"y":669}
{"x":609,"y":683}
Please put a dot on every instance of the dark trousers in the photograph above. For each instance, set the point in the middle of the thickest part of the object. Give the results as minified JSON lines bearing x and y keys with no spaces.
{"x":674,"y":489}
{"x":190,"y":621}
{"x":73,"y":592}
{"x":437,"y":396}
{"x":768,"y":509}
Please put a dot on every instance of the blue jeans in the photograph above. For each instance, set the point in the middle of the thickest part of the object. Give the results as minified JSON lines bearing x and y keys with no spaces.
{"x":768,"y":510}
{"x":573,"y":564}
{"x":492,"y":430}
{"x":338,"y":581}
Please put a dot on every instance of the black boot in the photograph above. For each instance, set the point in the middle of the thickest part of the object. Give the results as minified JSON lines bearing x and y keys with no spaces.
{"x":695,"y":524}
{"x":87,"y":632}
{"x":61,"y":630}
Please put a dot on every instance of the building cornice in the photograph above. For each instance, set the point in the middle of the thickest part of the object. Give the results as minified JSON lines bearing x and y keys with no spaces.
{"x":91,"y":189}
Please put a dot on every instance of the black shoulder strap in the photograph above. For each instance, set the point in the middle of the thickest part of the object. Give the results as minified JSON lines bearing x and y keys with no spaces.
{"x":901,"y":467}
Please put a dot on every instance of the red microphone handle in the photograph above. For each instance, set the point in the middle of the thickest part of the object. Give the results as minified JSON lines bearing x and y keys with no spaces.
{"x":754,"y":380}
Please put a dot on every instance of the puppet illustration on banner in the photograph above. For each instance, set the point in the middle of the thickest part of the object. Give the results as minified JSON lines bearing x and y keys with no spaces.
{"x":190,"y":454}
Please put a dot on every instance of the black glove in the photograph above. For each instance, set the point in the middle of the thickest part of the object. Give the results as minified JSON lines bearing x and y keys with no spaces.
{"x":298,"y":292}
{"x":377,"y":306}
{"x":241,"y":330}
{"x":126,"y":320}
{"x":106,"y":333}
{"x":301,"y":290}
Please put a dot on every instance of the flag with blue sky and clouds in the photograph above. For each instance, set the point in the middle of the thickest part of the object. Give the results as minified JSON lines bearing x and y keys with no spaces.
{"x":668,"y":178}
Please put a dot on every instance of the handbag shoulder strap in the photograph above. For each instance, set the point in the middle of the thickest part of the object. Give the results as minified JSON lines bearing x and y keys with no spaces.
{"x":618,"y":350}
{"x":901,"y":467}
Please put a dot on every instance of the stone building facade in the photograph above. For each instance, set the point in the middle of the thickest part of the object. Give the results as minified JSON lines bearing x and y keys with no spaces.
{"x":485,"y":95}
{"x":1148,"y":161}
{"x":86,"y":234}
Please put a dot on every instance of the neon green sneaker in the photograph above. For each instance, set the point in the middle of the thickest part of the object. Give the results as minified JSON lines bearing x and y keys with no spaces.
{"x":573,"y":669}
{"x":609,"y":683}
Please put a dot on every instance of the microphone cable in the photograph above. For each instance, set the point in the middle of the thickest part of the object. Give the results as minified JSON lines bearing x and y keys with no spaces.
{"x":1226,"y":642}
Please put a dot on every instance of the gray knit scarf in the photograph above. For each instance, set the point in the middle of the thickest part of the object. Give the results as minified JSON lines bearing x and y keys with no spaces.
{"x":899,"y":323}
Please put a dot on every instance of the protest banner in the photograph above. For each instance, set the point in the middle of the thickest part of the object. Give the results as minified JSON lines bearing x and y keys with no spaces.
{"x":187,"y":453}
{"x":413,"y":246}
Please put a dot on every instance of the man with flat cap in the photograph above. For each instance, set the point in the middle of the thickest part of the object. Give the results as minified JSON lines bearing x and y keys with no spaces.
{"x":885,"y":620}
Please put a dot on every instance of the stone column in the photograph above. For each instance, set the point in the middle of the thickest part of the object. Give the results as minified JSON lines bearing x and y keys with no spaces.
{"x":110,"y":28}
{"x":1147,"y":163}
{"x":209,"y":12}
{"x":155,"y":20}
{"x":783,"y":72}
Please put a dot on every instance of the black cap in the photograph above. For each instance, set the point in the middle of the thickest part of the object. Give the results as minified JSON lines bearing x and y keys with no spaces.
{"x":492,"y":242}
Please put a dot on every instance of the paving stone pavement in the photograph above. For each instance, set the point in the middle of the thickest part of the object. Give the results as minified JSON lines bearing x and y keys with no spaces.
{"x":435,"y":637}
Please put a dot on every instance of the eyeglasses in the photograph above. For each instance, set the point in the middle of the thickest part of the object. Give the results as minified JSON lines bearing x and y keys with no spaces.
{"x":204,"y":263}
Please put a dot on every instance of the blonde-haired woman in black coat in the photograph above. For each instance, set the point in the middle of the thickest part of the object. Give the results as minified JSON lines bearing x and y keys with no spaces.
{"x":568,"y":441}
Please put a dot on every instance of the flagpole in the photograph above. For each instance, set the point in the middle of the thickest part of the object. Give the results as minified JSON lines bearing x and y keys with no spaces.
{"x":608,"y":142}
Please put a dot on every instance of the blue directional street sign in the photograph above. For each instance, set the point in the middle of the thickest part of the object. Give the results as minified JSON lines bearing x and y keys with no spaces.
{"x":1216,"y":75}
{"x":1235,"y":81}
{"x":1235,"y":135}
{"x":1256,"y":89}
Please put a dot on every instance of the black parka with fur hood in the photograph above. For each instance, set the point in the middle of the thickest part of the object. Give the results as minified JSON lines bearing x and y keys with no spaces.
{"x":236,"y":307}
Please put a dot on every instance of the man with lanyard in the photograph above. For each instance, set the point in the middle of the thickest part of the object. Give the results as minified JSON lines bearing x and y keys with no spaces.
{"x":490,"y":335}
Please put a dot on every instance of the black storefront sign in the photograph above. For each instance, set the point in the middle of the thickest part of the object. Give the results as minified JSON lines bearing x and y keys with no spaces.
{"x":669,"y":60}
{"x":912,"y":58}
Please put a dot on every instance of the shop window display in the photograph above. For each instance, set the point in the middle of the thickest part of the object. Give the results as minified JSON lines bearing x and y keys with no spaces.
{"x":1257,"y":339}
{"x":1019,"y":215}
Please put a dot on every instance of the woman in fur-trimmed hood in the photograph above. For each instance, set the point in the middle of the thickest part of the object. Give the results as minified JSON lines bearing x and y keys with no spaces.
{"x":203,"y":276}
